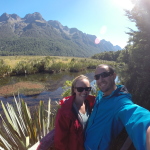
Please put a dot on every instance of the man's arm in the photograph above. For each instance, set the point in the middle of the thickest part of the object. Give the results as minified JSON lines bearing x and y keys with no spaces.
{"x":136,"y":120}
{"x":148,"y":138}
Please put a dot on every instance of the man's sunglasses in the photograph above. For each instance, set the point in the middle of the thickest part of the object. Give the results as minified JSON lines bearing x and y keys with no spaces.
{"x":81,"y":89}
{"x":103,"y":75}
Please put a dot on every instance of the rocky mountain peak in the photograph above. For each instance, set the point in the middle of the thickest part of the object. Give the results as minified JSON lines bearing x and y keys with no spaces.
{"x":9,"y":17}
{"x":4,"y":17}
{"x":32,"y":17}
{"x":55,"y":24}
{"x":15,"y":16}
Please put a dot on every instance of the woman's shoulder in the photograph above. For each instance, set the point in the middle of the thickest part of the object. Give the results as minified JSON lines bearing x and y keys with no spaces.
{"x":64,"y":100}
{"x":66,"y":104}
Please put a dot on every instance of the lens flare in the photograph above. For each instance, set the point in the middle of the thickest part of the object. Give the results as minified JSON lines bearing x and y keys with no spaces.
{"x":97,"y":40}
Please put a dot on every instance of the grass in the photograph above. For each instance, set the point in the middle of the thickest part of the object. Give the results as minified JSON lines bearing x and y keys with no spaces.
{"x":13,"y":60}
{"x":21,"y":65}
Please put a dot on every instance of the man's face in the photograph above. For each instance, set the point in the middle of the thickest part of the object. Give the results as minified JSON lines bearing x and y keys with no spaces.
{"x":105,"y":84}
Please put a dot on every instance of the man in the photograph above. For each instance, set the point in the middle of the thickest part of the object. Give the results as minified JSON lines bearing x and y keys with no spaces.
{"x":148,"y":138}
{"x":113,"y":111}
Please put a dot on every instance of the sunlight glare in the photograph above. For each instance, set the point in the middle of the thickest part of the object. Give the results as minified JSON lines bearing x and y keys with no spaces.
{"x":103,"y":30}
{"x":125,"y":4}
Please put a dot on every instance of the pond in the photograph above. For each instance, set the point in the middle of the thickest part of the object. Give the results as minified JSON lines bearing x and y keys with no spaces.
{"x":36,"y":87}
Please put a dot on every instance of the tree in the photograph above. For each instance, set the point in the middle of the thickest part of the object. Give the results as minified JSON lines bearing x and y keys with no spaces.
{"x":138,"y":68}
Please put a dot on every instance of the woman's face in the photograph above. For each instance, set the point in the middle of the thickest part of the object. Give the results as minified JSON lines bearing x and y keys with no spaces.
{"x":81,"y":93}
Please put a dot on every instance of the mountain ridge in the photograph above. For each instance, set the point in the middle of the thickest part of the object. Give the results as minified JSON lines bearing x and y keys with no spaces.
{"x":49,"y":38}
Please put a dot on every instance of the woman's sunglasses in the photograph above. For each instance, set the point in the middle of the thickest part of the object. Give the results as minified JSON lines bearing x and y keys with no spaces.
{"x":103,"y":75}
{"x":81,"y":89}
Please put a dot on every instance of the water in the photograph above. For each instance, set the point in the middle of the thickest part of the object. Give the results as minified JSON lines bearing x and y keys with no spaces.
{"x":53,"y":84}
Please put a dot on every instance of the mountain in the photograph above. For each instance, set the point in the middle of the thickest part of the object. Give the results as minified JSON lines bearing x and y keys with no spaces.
{"x":33,"y":35}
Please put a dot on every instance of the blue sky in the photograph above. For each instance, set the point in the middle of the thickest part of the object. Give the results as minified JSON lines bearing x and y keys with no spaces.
{"x":104,"y":18}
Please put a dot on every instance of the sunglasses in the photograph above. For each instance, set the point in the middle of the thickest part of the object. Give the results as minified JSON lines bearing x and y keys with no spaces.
{"x":81,"y":89}
{"x":103,"y":75}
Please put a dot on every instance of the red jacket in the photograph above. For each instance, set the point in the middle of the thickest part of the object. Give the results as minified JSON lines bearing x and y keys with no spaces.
{"x":68,"y":130}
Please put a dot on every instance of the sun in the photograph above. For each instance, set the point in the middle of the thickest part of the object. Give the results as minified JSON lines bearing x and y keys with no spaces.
{"x":125,"y":4}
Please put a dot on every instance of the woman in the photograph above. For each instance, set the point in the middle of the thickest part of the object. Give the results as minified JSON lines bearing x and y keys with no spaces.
{"x":72,"y":117}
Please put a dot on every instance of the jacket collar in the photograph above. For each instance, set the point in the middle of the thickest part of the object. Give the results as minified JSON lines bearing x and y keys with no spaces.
{"x":121,"y":90}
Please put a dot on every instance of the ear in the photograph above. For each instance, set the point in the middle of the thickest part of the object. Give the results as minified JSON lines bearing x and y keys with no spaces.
{"x":114,"y":75}
{"x":74,"y":90}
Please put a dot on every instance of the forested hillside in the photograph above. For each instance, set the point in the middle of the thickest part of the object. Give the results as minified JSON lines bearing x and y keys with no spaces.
{"x":32,"y":35}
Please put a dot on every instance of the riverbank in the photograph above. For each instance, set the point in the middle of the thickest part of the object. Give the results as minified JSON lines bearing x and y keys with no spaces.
{"x":22,"y":65}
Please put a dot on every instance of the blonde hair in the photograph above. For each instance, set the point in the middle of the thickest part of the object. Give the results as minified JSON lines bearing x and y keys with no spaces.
{"x":80,"y":77}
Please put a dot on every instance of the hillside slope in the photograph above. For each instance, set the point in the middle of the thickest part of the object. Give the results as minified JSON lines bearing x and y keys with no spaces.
{"x":33,"y":35}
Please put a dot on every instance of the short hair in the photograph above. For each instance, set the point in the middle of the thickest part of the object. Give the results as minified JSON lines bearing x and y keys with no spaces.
{"x":80,"y":77}
{"x":111,"y":69}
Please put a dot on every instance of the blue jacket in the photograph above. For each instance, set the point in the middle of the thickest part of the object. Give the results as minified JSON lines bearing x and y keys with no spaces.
{"x":112,"y":113}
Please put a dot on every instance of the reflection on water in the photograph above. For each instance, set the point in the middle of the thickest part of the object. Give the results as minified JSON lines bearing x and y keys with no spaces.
{"x":53,"y":84}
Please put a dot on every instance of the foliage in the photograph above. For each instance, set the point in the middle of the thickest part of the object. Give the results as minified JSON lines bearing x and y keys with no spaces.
{"x":21,"y":129}
{"x":4,"y":69}
{"x":57,"y":67}
{"x":110,"y":56}
{"x":24,"y":67}
{"x":28,"y":65}
{"x":45,"y":46}
{"x":138,"y":69}
{"x":94,"y":90}
{"x":67,"y":88}
{"x":124,"y":55}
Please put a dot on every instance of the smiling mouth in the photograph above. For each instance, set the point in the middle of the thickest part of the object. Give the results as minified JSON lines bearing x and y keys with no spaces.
{"x":102,"y":84}
{"x":83,"y":95}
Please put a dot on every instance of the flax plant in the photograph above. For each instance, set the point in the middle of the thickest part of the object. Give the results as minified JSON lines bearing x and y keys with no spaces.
{"x":21,"y":129}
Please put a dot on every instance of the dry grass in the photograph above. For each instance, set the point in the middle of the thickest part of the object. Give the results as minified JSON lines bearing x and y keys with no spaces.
{"x":13,"y":60}
{"x":26,"y":88}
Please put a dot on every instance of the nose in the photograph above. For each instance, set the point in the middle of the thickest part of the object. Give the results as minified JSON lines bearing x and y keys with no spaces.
{"x":100,"y":78}
{"x":84,"y":91}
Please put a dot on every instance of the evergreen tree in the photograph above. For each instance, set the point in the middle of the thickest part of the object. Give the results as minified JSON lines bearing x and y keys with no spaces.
{"x":138,"y":67}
